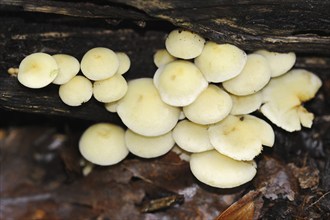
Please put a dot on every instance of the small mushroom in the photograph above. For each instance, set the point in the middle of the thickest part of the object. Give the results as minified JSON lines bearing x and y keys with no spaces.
{"x":217,"y":170}
{"x":110,"y":89}
{"x":148,"y":147}
{"x":77,"y":91}
{"x":99,"y":63}
{"x":68,"y":66}
{"x":283,"y":98}
{"x":143,"y":111}
{"x":220,"y":62}
{"x":192,"y":137}
{"x":162,"y":57}
{"x":124,"y":63}
{"x":37,"y":70}
{"x":254,"y":76}
{"x":179,"y":82}
{"x":111,"y":106}
{"x":280,"y":63}
{"x":103,"y":144}
{"x":243,"y":105}
{"x":241,"y":137}
{"x":211,"y":106}
{"x":184,"y":44}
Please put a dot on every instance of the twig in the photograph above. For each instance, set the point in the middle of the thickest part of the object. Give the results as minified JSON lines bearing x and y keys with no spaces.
{"x":318,"y":200}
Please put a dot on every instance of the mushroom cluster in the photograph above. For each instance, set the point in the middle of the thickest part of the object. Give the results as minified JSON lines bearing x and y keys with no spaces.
{"x":200,"y":99}
{"x":101,"y":77}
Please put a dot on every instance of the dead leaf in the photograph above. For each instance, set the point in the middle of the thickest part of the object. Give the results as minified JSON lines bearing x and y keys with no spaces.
{"x":243,"y":209}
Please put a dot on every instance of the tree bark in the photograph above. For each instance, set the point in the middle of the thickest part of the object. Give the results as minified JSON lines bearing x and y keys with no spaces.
{"x":139,"y":28}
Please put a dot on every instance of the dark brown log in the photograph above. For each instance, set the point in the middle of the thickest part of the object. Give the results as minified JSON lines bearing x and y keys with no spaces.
{"x":26,"y":29}
{"x":299,"y":26}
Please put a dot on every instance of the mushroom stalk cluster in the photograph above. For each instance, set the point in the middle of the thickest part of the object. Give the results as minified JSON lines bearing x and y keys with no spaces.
{"x":200,"y":99}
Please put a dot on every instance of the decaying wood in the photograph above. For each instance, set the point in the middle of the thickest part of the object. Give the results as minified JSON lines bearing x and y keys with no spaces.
{"x":300,"y":26}
{"x":139,"y":28}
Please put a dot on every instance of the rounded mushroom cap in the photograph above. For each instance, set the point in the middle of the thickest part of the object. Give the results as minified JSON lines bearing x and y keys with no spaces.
{"x":111,"y":89}
{"x":241,"y":137}
{"x":184,"y":44}
{"x":254,"y":76}
{"x":217,"y":170}
{"x":192,"y":137}
{"x":148,"y":147}
{"x":279,"y":63}
{"x":77,"y":91}
{"x":243,"y":105}
{"x":124,"y":63}
{"x":142,"y":110}
{"x":68,"y":66}
{"x":162,"y":57}
{"x":220,"y":62}
{"x":283,"y":97}
{"x":179,"y":82}
{"x":99,"y":63}
{"x":111,"y":106}
{"x":211,"y":106}
{"x":103,"y":144}
{"x":37,"y":70}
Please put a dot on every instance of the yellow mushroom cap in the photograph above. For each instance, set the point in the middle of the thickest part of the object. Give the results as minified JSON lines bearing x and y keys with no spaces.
{"x":254,"y":76}
{"x":280,"y":63}
{"x":99,"y":63}
{"x":37,"y":70}
{"x":162,"y":57}
{"x":184,"y":44}
{"x":192,"y":137}
{"x":241,"y":137}
{"x":124,"y":63}
{"x":77,"y":91}
{"x":148,"y":147}
{"x":283,"y":98}
{"x":217,"y":170}
{"x":143,"y":111}
{"x":179,"y":82}
{"x":211,"y":106}
{"x":103,"y":144}
{"x":68,"y":65}
{"x":110,"y":89}
{"x":220,"y":62}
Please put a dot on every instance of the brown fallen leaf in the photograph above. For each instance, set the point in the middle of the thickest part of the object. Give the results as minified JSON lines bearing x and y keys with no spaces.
{"x":243,"y":209}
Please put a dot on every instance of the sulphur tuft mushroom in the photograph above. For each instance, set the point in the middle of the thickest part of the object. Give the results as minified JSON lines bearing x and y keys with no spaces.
{"x":179,"y":82}
{"x":77,"y":91}
{"x":110,"y":89}
{"x":68,"y":66}
{"x":184,"y":44}
{"x":280,"y":63}
{"x":211,"y":106}
{"x":220,"y":62}
{"x":254,"y":76}
{"x":103,"y":144}
{"x":124,"y":63}
{"x":148,"y":147}
{"x":283,"y":98}
{"x":37,"y":70}
{"x":243,"y":105}
{"x":241,"y":137}
{"x":192,"y":137}
{"x":162,"y":57}
{"x":217,"y":170}
{"x":143,"y":111}
{"x":99,"y":63}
